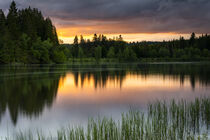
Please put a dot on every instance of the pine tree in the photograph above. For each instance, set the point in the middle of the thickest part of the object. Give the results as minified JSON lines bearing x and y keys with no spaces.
{"x":26,"y":36}
{"x":82,"y":41}
{"x":120,"y":38}
{"x":182,"y":43}
{"x":14,"y":33}
{"x":104,"y":39}
{"x":95,"y":38}
{"x":76,"y":47}
{"x":192,"y":39}
{"x":12,"y":22}
{"x":27,"y":23}
{"x":2,"y":32}
{"x":55,"y":36}
{"x":50,"y":31}
{"x":76,"y":42}
{"x":2,"y":23}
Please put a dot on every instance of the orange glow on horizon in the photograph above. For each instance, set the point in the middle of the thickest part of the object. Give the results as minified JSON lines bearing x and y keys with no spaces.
{"x":68,"y":34}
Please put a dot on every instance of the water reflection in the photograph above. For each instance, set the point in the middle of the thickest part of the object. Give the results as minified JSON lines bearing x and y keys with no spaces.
{"x":99,"y":78}
{"x":27,"y":90}
{"x":195,"y":73}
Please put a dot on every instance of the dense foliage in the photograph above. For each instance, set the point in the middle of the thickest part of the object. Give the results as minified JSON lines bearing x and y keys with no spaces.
{"x":27,"y":37}
{"x":193,"y":49}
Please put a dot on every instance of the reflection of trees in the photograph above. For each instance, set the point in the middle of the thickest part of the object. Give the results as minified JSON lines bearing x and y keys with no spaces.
{"x":99,"y":73}
{"x":27,"y":90}
{"x":182,"y":72}
{"x":193,"y":72}
{"x":100,"y":77}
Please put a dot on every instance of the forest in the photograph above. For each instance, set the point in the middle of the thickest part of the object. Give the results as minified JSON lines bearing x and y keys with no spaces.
{"x":116,"y":49}
{"x":27,"y":37}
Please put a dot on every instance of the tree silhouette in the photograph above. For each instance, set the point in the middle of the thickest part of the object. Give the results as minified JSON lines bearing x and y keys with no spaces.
{"x":27,"y":37}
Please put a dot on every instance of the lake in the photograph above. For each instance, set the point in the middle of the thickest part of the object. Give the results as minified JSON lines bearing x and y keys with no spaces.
{"x":48,"y":97}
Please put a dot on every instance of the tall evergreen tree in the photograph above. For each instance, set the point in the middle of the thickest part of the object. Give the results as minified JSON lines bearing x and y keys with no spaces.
{"x":27,"y":37}
{"x":182,"y":43}
{"x":28,"y":24}
{"x":2,"y":30}
{"x":14,"y":32}
{"x":192,"y":39}
{"x":55,"y":36}
{"x":12,"y":22}
{"x":2,"y":23}
{"x":76,"y":47}
{"x":76,"y":41}
{"x":120,"y":38}
{"x":95,"y":38}
{"x":104,"y":39}
{"x":50,"y":31}
{"x":82,"y":41}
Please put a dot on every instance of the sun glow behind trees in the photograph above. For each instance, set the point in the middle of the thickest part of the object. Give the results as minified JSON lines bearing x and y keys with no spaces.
{"x":68,"y":37}
{"x":29,"y":38}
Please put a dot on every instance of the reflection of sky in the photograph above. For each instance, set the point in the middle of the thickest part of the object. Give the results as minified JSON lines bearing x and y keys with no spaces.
{"x":75,"y":104}
{"x":133,"y":89}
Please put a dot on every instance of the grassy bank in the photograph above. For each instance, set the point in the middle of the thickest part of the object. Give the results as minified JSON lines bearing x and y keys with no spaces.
{"x":162,"y":121}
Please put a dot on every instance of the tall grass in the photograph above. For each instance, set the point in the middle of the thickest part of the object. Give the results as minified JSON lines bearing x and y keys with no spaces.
{"x":177,"y":120}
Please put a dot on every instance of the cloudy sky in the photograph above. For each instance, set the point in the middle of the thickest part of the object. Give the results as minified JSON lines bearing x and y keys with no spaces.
{"x":134,"y":19}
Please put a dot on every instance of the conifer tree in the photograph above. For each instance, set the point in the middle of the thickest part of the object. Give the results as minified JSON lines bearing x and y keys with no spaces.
{"x":82,"y":41}
{"x":2,"y":32}
{"x":27,"y":37}
{"x":12,"y":21}
{"x":192,"y":39}
{"x":76,"y":42}
{"x":2,"y":23}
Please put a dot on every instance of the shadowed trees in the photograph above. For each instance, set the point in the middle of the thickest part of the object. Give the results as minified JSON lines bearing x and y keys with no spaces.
{"x":111,"y":53}
{"x":98,"y":53}
{"x":96,"y":48}
{"x":193,"y":49}
{"x":27,"y":37}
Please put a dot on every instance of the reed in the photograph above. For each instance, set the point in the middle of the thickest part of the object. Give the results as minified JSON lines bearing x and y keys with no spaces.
{"x":163,"y":121}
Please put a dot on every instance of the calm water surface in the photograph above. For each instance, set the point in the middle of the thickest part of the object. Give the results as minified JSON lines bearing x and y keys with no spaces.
{"x":49,"y":97}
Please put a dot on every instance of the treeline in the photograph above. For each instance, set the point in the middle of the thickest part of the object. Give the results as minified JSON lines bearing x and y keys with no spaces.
{"x":99,"y":47}
{"x":27,"y":37}
{"x":193,"y":49}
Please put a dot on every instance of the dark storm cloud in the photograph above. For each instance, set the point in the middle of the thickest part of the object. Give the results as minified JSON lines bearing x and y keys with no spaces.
{"x":134,"y":16}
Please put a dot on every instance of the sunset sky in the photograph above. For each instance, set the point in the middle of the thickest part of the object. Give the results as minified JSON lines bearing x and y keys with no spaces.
{"x":136,"y":20}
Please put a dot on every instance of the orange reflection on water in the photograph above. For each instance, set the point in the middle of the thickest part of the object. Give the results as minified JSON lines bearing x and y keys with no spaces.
{"x":129,"y":88}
